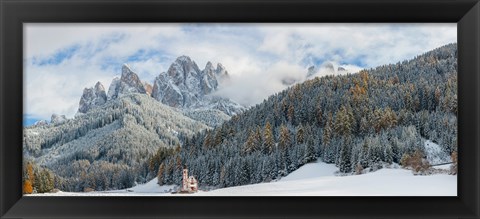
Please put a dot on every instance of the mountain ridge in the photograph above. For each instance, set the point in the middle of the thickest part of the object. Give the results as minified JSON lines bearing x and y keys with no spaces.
{"x":183,"y":86}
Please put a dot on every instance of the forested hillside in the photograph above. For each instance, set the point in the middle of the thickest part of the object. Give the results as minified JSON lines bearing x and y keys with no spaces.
{"x":109,"y":142}
{"x":357,"y":121}
{"x":107,"y":147}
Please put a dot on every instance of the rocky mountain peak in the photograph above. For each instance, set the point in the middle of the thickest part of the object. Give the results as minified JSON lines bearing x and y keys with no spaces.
{"x":183,"y":71}
{"x":99,"y":87}
{"x":221,"y":72}
{"x":132,"y":79}
{"x":126,"y":71}
{"x":312,"y":70}
{"x":221,"y":68}
{"x":92,"y":97}
{"x":129,"y":82}
{"x":183,"y":58}
{"x":209,"y":69}
{"x":209,"y":65}
{"x":184,"y":85}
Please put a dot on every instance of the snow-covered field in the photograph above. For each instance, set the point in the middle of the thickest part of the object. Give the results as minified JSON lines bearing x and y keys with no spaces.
{"x":315,"y":179}
{"x":384,"y":182}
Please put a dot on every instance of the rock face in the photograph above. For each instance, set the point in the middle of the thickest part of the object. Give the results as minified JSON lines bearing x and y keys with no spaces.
{"x":329,"y":67}
{"x":184,"y":85}
{"x":148,"y":88}
{"x":92,"y":97}
{"x":221,"y":73}
{"x":58,"y":119}
{"x":128,"y":83}
{"x":165,"y":91}
{"x":208,"y":80}
{"x":311,"y":71}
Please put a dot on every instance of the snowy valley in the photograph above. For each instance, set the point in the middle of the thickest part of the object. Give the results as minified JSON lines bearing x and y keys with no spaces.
{"x":315,"y":179}
{"x":378,"y":132}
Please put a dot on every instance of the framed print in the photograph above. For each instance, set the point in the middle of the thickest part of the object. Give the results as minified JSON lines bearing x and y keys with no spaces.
{"x":239,"y":109}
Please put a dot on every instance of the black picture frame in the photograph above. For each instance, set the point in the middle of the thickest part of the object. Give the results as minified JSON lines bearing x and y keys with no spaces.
{"x":13,"y":13}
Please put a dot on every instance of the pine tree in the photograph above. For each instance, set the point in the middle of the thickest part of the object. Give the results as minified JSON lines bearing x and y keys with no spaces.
{"x":257,"y":137}
{"x":208,"y":141}
{"x":300,"y":134}
{"x":269,"y":141}
{"x":344,"y":121}
{"x":284,"y":139}
{"x":319,"y":116}
{"x":327,"y":131}
{"x":254,"y":141}
{"x":44,"y":181}
{"x":309,"y":150}
{"x":345,"y":157}
{"x":244,"y":177}
{"x":284,"y":145}
{"x":250,"y":144}
{"x":291,"y":114}
{"x":364,"y":126}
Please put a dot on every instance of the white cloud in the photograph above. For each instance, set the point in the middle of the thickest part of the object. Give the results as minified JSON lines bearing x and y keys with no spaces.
{"x":256,"y":85}
{"x":257,"y":56}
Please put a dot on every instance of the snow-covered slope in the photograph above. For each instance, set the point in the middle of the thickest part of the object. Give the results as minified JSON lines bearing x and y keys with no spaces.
{"x":384,"y":182}
{"x":311,"y":170}
{"x":117,"y":136}
{"x":318,"y":179}
{"x":149,"y":187}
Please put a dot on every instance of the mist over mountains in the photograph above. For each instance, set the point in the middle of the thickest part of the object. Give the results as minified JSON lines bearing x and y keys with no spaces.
{"x":359,"y":122}
{"x":136,"y":130}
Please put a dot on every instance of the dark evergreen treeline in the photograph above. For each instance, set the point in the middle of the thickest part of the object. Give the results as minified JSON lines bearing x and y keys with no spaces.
{"x":356,"y":121}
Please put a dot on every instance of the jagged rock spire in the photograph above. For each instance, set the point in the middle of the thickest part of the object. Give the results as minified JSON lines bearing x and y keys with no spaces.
{"x":129,"y":82}
{"x":92,"y":97}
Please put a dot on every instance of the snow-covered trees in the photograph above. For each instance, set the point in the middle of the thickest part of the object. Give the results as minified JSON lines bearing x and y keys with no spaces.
{"x":344,"y":121}
{"x":110,"y":147}
{"x":269,"y":140}
{"x":358,"y":121}
{"x":310,"y":154}
{"x":37,"y":179}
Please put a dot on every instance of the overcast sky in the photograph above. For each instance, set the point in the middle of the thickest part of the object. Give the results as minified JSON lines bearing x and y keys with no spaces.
{"x":62,"y":59}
